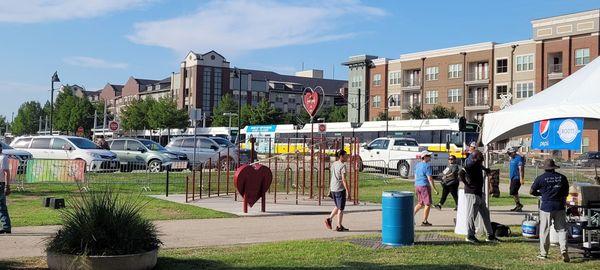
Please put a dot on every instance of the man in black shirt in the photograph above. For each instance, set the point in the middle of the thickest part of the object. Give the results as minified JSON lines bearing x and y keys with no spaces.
{"x":554,"y":188}
{"x":473,"y":177}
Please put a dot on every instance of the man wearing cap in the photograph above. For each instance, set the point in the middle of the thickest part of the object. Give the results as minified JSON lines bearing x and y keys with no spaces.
{"x":516,"y":172}
{"x":472,"y":148}
{"x":423,"y":185}
{"x":554,"y":189}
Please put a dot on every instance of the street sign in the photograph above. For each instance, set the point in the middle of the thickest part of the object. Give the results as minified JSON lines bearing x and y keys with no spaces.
{"x":322,"y":128}
{"x":113,"y":126}
{"x":195,"y":114}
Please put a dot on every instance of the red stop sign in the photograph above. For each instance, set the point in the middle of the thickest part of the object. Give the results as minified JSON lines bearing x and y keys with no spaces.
{"x":80,"y":129}
{"x":113,"y":125}
{"x":322,"y":128}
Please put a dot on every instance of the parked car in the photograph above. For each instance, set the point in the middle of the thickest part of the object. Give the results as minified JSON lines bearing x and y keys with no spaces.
{"x":206,"y":149}
{"x":20,"y":155}
{"x":244,"y":153}
{"x":68,"y":148}
{"x":588,"y":159}
{"x":142,"y":154}
{"x":399,"y":154}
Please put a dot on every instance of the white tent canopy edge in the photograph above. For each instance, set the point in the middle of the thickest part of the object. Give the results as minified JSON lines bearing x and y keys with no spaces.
{"x":577,"y":96}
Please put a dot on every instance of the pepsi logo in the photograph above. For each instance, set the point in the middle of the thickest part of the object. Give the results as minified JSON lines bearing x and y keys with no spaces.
{"x":544,"y":128}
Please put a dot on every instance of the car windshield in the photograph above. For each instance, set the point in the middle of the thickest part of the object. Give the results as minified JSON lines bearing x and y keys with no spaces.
{"x":223,"y":142}
{"x":83,"y":143}
{"x":4,"y":146}
{"x":152,"y":145}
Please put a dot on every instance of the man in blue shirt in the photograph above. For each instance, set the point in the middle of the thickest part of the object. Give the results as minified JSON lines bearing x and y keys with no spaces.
{"x":554,"y":188}
{"x":517,"y":176}
{"x":423,"y":184}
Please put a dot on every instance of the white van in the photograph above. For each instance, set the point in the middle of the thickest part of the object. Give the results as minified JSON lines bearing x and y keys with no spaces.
{"x":68,"y":147}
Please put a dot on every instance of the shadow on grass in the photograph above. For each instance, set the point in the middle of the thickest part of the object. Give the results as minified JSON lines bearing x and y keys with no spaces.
{"x":185,"y":264}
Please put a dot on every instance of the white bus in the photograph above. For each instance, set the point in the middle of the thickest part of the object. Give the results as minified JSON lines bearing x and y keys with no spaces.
{"x":435,"y":134}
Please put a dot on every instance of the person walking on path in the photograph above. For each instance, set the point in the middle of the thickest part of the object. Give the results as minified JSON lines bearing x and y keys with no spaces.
{"x":338,"y":187}
{"x":554,"y":189}
{"x":4,"y":191}
{"x":423,"y":185}
{"x":516,"y":172}
{"x":449,"y":182}
{"x":472,"y":175}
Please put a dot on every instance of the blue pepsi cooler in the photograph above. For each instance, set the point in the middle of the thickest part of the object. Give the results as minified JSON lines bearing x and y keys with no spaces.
{"x":397,"y":220}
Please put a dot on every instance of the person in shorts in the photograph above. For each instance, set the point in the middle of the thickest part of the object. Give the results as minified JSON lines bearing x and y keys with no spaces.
{"x":338,"y":187}
{"x":4,"y":191}
{"x":517,"y":174}
{"x":423,"y":185}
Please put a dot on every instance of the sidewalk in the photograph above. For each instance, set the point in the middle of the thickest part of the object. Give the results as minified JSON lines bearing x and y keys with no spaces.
{"x":28,"y":241}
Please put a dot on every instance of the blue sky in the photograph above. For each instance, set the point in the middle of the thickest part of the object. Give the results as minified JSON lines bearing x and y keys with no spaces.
{"x":92,"y":42}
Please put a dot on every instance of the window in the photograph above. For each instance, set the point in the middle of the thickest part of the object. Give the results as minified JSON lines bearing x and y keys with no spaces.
{"x":394,"y":78}
{"x":376,"y":101}
{"x":525,"y":62}
{"x":394,"y":100}
{"x":405,"y":143}
{"x":22,"y":143}
{"x":524,"y":89}
{"x":431,"y":97}
{"x":205,"y":144}
{"x":582,"y":56}
{"x":501,"y":90}
{"x":585,"y":144}
{"x":379,"y":144}
{"x":134,"y":145}
{"x":377,"y":80}
{"x":118,"y":145}
{"x":59,"y":144}
{"x":217,"y":83}
{"x":454,"y":71}
{"x":454,"y":95}
{"x":431,"y":73}
{"x":356,"y":81}
{"x":40,"y":143}
{"x":188,"y":143}
{"x":502,"y":65}
{"x":206,"y":95}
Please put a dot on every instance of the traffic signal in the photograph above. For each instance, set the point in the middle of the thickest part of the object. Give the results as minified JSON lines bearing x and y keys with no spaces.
{"x":462,"y":123}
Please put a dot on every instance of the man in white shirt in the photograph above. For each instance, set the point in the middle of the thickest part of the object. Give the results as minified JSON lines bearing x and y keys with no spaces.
{"x":4,"y":191}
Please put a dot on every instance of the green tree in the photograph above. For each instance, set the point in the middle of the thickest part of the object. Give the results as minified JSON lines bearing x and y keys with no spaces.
{"x":3,"y":124}
{"x":226,"y":105}
{"x":383,"y":116}
{"x":27,"y":119}
{"x":264,"y":113}
{"x":246,"y":114}
{"x":134,"y":114}
{"x":164,"y":114}
{"x":416,"y":112}
{"x":72,"y":112}
{"x":441,"y":112}
{"x":338,"y":114}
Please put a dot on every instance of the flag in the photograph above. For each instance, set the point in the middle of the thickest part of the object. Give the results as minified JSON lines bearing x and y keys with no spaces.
{"x":55,"y":77}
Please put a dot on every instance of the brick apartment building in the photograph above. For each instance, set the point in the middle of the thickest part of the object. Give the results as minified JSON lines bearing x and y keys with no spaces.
{"x":203,"y":79}
{"x":478,"y":78}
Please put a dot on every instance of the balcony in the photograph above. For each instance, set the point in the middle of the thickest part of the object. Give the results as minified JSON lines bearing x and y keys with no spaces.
{"x":408,"y":104}
{"x":555,"y":72}
{"x":477,"y":103}
{"x":411,"y":85}
{"x":477,"y":78}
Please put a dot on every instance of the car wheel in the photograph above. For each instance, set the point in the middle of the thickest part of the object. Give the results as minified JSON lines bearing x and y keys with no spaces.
{"x":155,"y":165}
{"x":361,"y":166}
{"x":403,"y":169}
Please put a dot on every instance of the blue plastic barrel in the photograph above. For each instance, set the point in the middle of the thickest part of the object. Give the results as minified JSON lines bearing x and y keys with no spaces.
{"x":397,"y":222}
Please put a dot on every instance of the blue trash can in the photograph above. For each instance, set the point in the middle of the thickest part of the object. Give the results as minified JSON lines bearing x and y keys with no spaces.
{"x":397,"y":222}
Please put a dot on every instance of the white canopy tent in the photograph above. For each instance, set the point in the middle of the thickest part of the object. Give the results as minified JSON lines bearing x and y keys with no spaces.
{"x":577,"y":96}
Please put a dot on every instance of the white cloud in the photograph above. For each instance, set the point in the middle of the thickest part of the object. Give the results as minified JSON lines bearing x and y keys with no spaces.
{"x":243,"y":25}
{"x":33,"y":11}
{"x":91,"y":62}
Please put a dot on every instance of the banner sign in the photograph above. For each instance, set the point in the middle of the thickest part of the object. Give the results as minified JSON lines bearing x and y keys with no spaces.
{"x":40,"y":170}
{"x":557,"y":134}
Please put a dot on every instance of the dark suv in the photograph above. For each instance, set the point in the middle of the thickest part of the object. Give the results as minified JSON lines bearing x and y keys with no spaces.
{"x":588,"y":159}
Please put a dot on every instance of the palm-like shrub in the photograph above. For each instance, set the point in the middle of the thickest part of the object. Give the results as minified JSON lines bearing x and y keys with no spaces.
{"x":104,"y":223}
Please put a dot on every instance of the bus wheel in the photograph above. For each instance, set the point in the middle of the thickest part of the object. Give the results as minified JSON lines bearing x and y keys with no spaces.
{"x":403,"y":169}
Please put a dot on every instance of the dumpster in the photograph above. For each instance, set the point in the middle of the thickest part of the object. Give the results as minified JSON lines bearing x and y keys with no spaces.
{"x":397,"y":224}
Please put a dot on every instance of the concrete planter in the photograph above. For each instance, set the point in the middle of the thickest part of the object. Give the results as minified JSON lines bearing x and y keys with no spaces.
{"x":140,"y":261}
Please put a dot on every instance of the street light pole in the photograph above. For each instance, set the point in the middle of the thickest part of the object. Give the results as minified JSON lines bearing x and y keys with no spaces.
{"x":54,"y":79}
{"x":387,"y":114}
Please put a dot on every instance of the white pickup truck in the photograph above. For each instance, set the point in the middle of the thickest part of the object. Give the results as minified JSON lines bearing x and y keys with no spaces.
{"x":399,"y":154}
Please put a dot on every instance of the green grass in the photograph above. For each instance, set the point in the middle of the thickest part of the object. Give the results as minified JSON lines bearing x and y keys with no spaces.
{"x":371,"y":187}
{"x":327,"y":254}
{"x":25,"y":207}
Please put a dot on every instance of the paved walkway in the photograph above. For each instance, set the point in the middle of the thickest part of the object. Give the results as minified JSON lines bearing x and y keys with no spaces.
{"x":28,"y":241}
